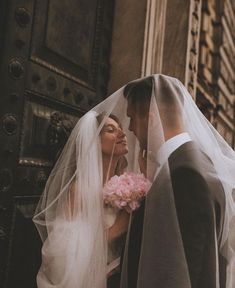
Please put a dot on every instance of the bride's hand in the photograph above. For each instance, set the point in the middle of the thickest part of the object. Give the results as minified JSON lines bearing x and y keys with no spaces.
{"x":142,"y":162}
{"x":120,"y":225}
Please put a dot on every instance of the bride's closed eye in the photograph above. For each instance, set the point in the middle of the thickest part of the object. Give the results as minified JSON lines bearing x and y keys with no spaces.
{"x":111,"y":129}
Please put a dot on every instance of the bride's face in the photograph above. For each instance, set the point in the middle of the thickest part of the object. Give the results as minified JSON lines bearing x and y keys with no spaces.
{"x":113,"y":139}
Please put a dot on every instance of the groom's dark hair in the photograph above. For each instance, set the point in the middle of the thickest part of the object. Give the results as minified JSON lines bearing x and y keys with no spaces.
{"x":138,"y":94}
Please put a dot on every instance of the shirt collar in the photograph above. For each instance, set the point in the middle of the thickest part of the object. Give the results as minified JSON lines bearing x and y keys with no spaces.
{"x":170,"y":146}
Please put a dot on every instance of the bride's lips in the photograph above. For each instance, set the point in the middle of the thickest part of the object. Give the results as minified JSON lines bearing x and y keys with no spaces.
{"x":123,"y":141}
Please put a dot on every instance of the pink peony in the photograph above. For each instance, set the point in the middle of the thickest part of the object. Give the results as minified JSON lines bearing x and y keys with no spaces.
{"x":126,"y":191}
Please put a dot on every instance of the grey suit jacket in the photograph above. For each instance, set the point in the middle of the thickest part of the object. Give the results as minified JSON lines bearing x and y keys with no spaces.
{"x":181,"y":231}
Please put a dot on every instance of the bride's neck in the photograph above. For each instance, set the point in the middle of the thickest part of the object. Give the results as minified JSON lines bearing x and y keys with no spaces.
{"x":109,"y":166}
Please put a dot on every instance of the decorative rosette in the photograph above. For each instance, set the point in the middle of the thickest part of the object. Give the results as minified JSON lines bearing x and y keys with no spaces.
{"x":126,"y":191}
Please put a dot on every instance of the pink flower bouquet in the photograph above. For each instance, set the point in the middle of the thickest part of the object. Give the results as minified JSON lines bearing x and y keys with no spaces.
{"x":126,"y":191}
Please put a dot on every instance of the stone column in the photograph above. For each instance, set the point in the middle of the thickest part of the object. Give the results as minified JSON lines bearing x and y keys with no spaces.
{"x":127,"y":42}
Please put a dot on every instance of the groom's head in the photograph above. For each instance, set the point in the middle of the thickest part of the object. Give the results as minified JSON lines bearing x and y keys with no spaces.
{"x":138,"y":94}
{"x":169,"y":103}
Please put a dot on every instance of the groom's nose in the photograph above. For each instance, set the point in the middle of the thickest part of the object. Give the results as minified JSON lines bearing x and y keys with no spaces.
{"x":130,"y":126}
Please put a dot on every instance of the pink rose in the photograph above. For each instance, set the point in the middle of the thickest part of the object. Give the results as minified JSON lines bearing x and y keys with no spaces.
{"x":126,"y":191}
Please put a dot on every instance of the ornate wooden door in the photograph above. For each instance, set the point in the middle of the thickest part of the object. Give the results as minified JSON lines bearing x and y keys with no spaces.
{"x":54,"y":61}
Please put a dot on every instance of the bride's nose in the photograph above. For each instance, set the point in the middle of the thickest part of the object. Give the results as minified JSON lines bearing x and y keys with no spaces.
{"x":121,"y":133}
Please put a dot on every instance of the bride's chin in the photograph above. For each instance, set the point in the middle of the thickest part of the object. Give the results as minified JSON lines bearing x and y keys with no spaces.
{"x":122,"y":152}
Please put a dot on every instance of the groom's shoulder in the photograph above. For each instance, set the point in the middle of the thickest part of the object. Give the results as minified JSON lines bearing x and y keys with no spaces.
{"x":190,"y":156}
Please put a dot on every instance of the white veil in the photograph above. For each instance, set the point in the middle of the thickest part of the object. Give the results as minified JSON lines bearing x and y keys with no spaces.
{"x":162,"y":261}
{"x":223,"y":159}
{"x":72,"y":226}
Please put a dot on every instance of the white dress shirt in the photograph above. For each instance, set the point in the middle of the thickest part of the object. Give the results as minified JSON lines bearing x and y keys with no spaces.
{"x":169,"y":147}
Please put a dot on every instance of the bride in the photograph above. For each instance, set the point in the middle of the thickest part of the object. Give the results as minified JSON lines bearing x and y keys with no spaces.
{"x":82,"y":237}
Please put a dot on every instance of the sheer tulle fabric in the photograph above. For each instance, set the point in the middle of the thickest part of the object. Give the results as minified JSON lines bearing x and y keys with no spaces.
{"x":222,"y":157}
{"x":72,"y":225}
{"x":74,"y":251}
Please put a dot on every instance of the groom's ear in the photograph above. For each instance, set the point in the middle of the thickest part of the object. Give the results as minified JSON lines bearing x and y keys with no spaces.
{"x":153,"y":120}
{"x":155,"y":125}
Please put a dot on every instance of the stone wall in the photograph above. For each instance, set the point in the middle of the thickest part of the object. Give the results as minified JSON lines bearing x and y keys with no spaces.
{"x":216,"y":75}
{"x":127,"y":43}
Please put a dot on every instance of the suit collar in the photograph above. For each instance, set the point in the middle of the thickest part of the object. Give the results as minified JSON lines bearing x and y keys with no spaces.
{"x":182,"y":149}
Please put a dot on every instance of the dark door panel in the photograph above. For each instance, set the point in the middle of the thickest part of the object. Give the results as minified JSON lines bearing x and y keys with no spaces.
{"x":54,"y":66}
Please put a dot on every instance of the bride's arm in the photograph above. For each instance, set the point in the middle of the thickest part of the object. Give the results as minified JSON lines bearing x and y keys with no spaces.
{"x":120,"y":225}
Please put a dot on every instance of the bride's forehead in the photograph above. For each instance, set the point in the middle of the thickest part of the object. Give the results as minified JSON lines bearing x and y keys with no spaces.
{"x":110,"y":121}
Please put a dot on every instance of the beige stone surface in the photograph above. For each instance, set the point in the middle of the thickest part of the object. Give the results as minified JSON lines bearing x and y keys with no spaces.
{"x":176,"y":38}
{"x":127,"y":43}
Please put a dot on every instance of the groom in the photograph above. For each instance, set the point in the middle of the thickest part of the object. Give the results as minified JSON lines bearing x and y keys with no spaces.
{"x":174,"y":239}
